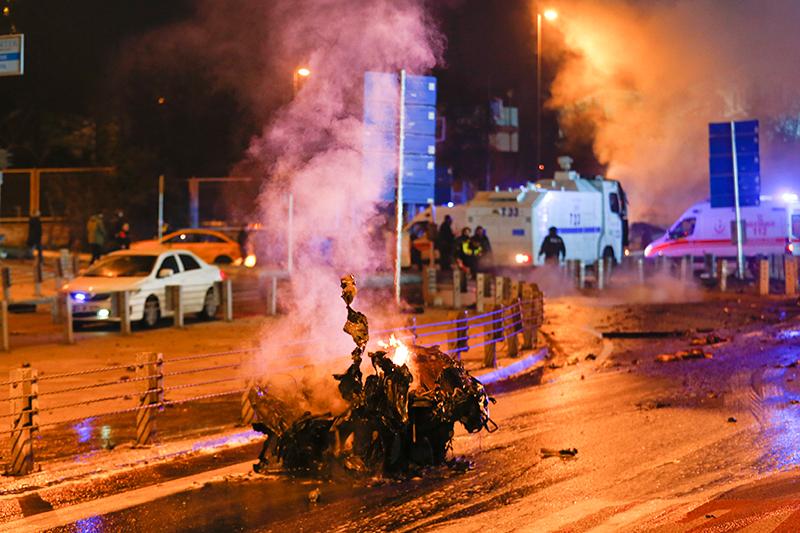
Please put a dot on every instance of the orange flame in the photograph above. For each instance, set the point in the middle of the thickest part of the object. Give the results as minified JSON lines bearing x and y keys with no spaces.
{"x":401,"y":354}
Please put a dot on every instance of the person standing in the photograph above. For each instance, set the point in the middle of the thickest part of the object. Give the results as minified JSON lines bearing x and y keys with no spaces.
{"x":121,"y":237}
{"x":96,"y":236}
{"x":445,"y":243}
{"x":485,"y":259}
{"x":553,"y":248}
{"x":35,"y":234}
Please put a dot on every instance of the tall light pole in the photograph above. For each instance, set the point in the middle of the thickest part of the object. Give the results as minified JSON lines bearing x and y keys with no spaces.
{"x":551,"y":15}
{"x":298,"y":76}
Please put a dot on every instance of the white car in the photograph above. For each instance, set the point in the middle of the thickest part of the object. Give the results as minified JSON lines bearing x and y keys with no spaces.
{"x":146,"y":274}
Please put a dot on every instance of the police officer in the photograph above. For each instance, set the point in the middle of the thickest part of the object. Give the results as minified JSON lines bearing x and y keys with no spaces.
{"x":552,"y":248}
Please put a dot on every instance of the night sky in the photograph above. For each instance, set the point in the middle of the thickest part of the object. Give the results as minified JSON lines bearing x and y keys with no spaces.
{"x":74,"y":51}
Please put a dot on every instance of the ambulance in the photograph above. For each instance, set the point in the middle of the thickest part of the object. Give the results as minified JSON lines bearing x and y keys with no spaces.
{"x":589,"y":214}
{"x":771,"y":228}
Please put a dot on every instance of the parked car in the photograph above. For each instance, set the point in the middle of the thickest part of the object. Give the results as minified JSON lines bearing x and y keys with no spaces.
{"x":146,"y":274}
{"x":212,"y":246}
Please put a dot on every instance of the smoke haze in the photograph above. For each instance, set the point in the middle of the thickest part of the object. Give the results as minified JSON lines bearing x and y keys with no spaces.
{"x":642,"y":79}
{"x":313,"y":150}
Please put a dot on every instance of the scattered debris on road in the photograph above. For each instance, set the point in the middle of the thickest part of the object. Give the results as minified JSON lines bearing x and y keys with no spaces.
{"x":694,"y":353}
{"x":566,"y":453}
{"x":652,"y":404}
{"x":389,"y":426}
{"x":708,"y":340}
{"x":732,"y":419}
{"x":642,"y":334}
{"x":590,"y":357}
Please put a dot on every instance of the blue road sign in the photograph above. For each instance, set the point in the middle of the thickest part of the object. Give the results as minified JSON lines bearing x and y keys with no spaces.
{"x":720,"y":163}
{"x":381,"y":121}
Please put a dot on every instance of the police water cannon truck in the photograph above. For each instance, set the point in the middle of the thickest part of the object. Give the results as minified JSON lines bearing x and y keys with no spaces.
{"x":589,"y":214}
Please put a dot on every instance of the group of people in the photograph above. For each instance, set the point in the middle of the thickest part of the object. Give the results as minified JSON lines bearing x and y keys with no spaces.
{"x":470,"y":252}
{"x":98,"y":238}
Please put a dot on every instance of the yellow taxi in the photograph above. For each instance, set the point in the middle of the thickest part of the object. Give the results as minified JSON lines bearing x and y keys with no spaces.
{"x":211,"y":246}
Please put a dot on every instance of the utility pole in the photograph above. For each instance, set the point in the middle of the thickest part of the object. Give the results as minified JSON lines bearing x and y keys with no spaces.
{"x":398,"y":271}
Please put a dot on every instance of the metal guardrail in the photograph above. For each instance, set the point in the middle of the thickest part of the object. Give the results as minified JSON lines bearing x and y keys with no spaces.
{"x":499,"y":325}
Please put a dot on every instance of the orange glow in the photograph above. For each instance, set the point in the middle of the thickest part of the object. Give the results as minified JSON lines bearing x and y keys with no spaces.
{"x":550,"y":14}
{"x":401,"y":355}
{"x":304,"y":72}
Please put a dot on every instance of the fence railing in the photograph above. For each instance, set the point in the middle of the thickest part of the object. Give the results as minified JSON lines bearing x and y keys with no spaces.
{"x":41,"y":402}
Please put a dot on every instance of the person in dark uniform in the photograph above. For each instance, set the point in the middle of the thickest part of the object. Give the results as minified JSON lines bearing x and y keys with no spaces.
{"x":35,"y":234}
{"x":445,"y":243}
{"x":553,"y":248}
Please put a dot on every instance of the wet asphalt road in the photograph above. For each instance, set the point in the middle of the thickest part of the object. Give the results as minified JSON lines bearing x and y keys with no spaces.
{"x":654,"y":442}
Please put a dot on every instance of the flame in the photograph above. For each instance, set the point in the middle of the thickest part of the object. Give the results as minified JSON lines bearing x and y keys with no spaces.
{"x":401,"y":354}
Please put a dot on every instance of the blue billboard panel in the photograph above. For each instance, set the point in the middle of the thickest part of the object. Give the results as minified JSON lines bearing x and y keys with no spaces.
{"x":420,"y":144}
{"x":381,"y":87}
{"x":420,"y":120}
{"x":420,"y":90}
{"x":414,"y":193}
{"x":720,"y":163}
{"x":380,"y":141}
{"x":420,"y":169}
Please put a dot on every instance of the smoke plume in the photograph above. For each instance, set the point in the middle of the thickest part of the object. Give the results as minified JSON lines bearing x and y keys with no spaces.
{"x":312,"y":150}
{"x":643,"y":78}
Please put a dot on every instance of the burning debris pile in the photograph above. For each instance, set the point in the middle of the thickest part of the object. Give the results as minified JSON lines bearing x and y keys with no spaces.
{"x":398,"y":419}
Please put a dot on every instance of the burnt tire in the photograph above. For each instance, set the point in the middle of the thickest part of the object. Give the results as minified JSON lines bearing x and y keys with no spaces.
{"x":152,"y":312}
{"x":210,"y":306}
{"x":223,"y":260}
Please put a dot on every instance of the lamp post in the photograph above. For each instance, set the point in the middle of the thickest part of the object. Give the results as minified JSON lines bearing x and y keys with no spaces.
{"x":298,"y":76}
{"x":551,"y":15}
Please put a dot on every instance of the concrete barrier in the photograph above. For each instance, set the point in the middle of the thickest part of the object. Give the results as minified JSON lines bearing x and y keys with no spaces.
{"x":790,"y":275}
{"x":763,"y":276}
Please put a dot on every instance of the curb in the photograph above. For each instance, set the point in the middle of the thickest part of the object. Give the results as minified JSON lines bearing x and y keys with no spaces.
{"x":517,"y":367}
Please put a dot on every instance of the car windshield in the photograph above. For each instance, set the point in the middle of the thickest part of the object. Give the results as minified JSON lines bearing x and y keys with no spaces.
{"x":123,"y":266}
{"x":683,"y":229}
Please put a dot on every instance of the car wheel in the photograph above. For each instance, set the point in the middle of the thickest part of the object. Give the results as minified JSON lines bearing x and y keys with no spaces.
{"x":152,"y":312}
{"x":210,"y":306}
{"x":608,"y":253}
{"x":223,"y":260}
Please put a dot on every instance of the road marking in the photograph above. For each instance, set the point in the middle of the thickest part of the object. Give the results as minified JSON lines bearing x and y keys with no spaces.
{"x":118,"y":502}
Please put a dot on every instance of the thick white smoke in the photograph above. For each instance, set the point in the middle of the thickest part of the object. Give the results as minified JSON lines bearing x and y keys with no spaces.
{"x":644,"y":77}
{"x":311,"y":147}
{"x":313,"y":150}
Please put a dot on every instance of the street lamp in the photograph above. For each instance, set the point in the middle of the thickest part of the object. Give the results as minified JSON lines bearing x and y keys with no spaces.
{"x":299,"y":75}
{"x":551,"y":15}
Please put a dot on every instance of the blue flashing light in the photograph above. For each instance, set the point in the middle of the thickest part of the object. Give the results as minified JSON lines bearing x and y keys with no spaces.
{"x":80,"y":296}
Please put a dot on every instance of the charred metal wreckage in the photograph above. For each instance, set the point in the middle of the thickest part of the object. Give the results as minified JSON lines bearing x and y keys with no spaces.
{"x":396,"y":422}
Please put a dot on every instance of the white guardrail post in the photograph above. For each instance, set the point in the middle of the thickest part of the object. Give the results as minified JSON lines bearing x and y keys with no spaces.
{"x":790,"y":275}
{"x":149,"y":365}
{"x":763,"y":276}
{"x":459,"y":342}
{"x":23,"y":391}
{"x":66,"y":303}
{"x":490,"y":337}
{"x":122,"y":309}
{"x":457,"y":288}
{"x":224,"y":290}
{"x":175,"y":304}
